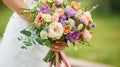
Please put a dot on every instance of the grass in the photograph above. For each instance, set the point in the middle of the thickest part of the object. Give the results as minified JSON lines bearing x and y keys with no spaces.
{"x":105,"y":45}
{"x":105,"y":42}
{"x":4,"y":17}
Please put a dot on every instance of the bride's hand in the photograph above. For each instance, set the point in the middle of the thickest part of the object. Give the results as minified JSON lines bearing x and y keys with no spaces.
{"x":58,"y":46}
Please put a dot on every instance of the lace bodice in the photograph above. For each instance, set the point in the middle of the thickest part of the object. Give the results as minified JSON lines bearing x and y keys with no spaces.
{"x":30,"y":3}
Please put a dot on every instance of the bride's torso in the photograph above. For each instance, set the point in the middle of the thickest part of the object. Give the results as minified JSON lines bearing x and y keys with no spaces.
{"x":10,"y":51}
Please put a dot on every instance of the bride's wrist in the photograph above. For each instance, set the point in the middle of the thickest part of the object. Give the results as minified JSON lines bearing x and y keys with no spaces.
{"x":27,"y":17}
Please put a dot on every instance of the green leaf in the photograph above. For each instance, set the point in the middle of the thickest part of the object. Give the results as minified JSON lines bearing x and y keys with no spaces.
{"x":48,"y":43}
{"x":23,"y":47}
{"x":27,"y":33}
{"x":28,"y":44}
{"x":73,"y":44}
{"x":50,"y":55}
{"x":40,"y":41}
{"x":19,"y":38}
{"x":34,"y":42}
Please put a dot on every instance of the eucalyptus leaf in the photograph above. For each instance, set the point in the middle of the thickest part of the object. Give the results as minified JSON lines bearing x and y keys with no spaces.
{"x":40,"y":41}
{"x":28,"y":44}
{"x":23,"y":47}
{"x":19,"y":38}
{"x":34,"y":42}
{"x":25,"y":32}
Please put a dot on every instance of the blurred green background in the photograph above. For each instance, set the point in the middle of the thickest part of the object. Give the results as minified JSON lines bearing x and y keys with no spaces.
{"x":105,"y":44}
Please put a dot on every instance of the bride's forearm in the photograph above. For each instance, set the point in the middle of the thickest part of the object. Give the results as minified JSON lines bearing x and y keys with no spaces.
{"x":15,"y":5}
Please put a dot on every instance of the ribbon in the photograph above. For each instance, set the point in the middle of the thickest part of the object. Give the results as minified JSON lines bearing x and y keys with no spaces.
{"x":50,"y":64}
{"x":57,"y":59}
{"x":63,"y":58}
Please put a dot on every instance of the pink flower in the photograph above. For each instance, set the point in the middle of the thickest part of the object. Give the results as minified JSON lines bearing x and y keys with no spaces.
{"x":88,"y":16}
{"x":86,"y":35}
{"x":83,"y":19}
{"x":39,"y":19}
{"x":55,"y":17}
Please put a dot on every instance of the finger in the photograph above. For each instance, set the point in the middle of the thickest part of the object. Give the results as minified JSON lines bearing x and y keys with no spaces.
{"x":60,"y":42}
{"x":54,"y":46}
{"x":55,"y":49}
{"x":59,"y":46}
{"x":59,"y":49}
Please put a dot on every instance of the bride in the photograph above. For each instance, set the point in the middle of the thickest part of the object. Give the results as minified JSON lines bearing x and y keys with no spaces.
{"x":11,"y":54}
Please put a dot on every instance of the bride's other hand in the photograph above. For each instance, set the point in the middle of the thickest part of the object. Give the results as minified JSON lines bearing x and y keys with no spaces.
{"x":58,"y":46}
{"x":15,"y":5}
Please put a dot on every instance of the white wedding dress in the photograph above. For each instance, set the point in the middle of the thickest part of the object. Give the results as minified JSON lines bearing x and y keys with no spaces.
{"x":11,"y":54}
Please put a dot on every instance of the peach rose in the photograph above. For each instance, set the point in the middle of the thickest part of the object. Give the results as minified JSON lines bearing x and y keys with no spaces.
{"x":59,"y":11}
{"x":86,"y":35}
{"x":55,"y":17}
{"x":67,"y":29}
{"x":39,"y":19}
{"x":88,"y":16}
{"x":75,"y":5}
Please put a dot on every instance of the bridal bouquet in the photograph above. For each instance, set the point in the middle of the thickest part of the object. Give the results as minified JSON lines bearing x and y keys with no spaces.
{"x":57,"y":20}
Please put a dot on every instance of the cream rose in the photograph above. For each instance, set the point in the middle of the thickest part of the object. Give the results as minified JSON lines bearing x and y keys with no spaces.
{"x":55,"y":30}
{"x":43,"y":34}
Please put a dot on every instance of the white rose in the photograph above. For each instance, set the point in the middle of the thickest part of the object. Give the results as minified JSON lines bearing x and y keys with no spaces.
{"x":55,"y":30}
{"x":43,"y":34}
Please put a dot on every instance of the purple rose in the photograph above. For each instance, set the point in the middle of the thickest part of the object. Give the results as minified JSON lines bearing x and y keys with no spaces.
{"x":63,"y":19}
{"x":45,"y":9}
{"x":73,"y":36}
{"x":70,"y":12}
{"x":64,"y":22}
